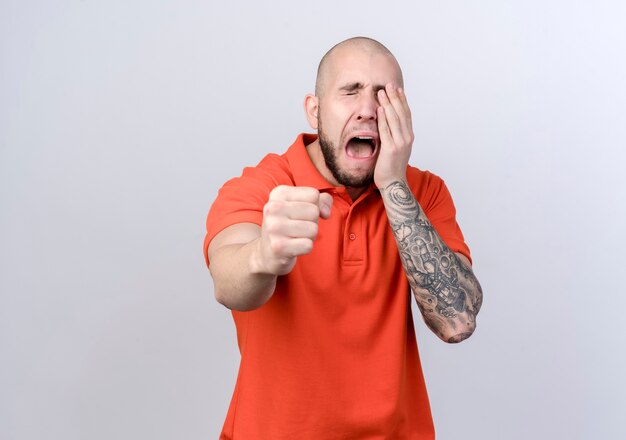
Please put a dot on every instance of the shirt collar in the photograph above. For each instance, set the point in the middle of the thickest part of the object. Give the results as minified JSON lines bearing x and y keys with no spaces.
{"x":304,"y":172}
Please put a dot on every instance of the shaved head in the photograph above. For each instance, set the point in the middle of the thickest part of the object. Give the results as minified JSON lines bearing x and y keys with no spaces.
{"x":351,"y":79}
{"x":362,"y":44}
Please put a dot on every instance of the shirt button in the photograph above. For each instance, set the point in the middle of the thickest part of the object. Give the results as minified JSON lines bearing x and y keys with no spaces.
{"x":352,"y":236}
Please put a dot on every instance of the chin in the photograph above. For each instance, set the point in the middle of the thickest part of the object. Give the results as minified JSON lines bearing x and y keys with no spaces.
{"x":355,"y":180}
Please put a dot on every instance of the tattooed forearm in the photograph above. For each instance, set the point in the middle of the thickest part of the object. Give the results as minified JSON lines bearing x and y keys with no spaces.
{"x":446,"y":290}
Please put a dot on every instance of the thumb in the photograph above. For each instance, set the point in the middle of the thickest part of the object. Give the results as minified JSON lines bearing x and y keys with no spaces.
{"x":325,"y":204}
{"x":383,"y":128}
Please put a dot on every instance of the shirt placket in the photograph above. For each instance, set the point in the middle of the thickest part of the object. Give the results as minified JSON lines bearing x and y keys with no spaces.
{"x":354,"y":240}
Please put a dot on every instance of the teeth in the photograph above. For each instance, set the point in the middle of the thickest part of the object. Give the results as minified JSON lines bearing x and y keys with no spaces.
{"x":365,"y":138}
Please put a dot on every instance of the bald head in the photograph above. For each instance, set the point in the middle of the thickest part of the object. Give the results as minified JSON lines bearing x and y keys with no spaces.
{"x":356,"y":44}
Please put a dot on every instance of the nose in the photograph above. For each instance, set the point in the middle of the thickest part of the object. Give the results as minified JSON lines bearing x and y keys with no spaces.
{"x":368,"y":104}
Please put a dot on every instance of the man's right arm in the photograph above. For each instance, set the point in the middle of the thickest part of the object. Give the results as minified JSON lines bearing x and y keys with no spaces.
{"x":246,"y":259}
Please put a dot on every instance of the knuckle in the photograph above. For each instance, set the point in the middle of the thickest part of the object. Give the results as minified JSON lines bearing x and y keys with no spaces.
{"x":272,"y":207}
{"x":313,"y":230}
{"x":271,"y":226}
{"x":278,"y":192}
{"x":307,"y":246}
{"x":310,"y":194}
{"x":277,"y":246}
{"x":313,"y":212}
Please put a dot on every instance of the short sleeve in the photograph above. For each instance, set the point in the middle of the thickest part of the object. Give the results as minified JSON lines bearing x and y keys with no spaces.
{"x":241,"y":200}
{"x":436,"y":201}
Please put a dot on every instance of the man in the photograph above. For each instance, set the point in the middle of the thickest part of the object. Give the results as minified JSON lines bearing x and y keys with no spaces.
{"x":315,"y":252}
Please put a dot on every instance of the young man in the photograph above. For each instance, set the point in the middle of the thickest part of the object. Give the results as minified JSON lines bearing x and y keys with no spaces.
{"x":315,"y":252}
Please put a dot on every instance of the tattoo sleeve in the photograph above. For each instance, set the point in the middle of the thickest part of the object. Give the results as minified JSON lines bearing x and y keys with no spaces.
{"x":446,"y":290}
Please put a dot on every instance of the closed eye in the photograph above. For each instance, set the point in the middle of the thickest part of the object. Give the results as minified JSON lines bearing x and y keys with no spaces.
{"x":351,"y":88}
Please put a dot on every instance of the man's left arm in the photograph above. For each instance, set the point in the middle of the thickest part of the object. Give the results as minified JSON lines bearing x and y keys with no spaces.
{"x":445,"y":288}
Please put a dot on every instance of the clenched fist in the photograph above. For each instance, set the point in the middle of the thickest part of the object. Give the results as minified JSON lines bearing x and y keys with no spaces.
{"x":290,"y":224}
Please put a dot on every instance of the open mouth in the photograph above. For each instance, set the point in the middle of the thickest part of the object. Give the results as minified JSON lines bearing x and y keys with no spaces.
{"x":361,"y":147}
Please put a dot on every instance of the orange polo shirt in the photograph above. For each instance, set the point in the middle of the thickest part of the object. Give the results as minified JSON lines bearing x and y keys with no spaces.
{"x":332,"y":355}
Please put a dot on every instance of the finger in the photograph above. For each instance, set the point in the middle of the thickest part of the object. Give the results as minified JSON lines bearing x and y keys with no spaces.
{"x":292,"y":210}
{"x":292,"y":247}
{"x":397,"y":99}
{"x":383,"y":128}
{"x":403,"y":101}
{"x":301,"y":246}
{"x":325,"y":205}
{"x":390,"y":115}
{"x":406,"y":110}
{"x":296,"y":229}
{"x":295,"y":193}
{"x":400,"y":107}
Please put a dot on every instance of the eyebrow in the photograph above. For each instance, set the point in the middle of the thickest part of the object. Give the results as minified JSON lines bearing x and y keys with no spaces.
{"x":351,"y":87}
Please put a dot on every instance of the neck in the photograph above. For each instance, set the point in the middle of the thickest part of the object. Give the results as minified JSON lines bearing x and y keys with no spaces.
{"x":315,"y":153}
{"x":354,"y":193}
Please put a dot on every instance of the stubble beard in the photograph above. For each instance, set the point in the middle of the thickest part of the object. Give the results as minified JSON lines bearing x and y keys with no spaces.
{"x":330,"y":154}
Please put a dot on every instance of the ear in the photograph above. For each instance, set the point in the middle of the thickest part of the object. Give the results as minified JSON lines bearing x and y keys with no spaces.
{"x":311,"y":108}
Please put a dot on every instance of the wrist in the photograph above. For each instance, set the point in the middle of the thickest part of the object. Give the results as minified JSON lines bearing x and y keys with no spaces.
{"x":382,"y":186}
{"x":256,"y":261}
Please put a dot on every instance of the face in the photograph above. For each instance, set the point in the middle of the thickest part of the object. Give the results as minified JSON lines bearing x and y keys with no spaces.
{"x":346,"y":114}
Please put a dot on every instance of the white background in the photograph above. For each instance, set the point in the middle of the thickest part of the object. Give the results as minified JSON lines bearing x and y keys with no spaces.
{"x":119,"y":120}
